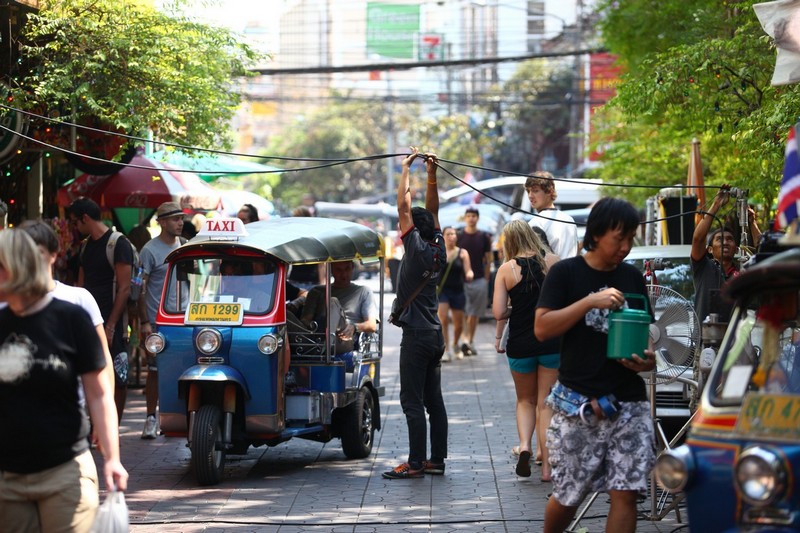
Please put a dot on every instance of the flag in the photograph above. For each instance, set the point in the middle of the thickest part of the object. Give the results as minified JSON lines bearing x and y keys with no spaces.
{"x":789,"y":195}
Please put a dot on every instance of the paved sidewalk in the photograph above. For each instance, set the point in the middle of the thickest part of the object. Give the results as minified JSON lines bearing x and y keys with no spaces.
{"x":303,"y":486}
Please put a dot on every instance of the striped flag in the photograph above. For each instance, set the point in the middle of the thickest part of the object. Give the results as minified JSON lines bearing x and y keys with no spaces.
{"x":789,"y":195}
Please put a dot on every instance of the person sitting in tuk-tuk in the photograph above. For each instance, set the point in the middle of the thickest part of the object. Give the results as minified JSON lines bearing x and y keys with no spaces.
{"x":247,"y":282}
{"x":357,"y":301}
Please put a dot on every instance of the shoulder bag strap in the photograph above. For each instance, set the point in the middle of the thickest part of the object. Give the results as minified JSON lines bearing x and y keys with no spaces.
{"x":447,"y":271}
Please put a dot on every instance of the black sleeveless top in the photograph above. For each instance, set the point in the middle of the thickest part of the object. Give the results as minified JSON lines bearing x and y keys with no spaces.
{"x":524,"y":297}
{"x":455,"y":278}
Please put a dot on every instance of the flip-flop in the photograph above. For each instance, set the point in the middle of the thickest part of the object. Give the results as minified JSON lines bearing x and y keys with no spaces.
{"x":524,"y":464}
{"x":538,"y":461}
{"x":515,"y":451}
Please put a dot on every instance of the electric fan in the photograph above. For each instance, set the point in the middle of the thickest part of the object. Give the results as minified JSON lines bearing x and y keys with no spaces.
{"x":676,"y":337}
{"x":675,"y":333}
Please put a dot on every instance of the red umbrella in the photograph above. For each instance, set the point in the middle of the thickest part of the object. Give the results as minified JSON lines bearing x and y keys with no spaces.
{"x":144,"y":183}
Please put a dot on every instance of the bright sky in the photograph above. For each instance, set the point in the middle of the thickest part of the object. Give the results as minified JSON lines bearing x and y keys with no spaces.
{"x":235,"y":14}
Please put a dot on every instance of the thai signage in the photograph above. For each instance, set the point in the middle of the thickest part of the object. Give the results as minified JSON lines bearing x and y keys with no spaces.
{"x":392,"y":29}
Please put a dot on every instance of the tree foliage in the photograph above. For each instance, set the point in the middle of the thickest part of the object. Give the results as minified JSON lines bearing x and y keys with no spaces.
{"x":535,"y":120}
{"x":132,"y":67}
{"x":694,"y":70}
{"x":346,"y":130}
{"x":456,"y":138}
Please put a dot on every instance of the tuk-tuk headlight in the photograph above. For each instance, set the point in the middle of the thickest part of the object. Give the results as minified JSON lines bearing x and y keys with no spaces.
{"x":155,"y":343}
{"x":208,"y":341}
{"x":268,"y":344}
{"x":674,"y":468}
{"x":760,"y":476}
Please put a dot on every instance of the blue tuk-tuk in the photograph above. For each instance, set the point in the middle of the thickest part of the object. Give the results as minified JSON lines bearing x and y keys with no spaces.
{"x":236,"y":368}
{"x":739,"y":469}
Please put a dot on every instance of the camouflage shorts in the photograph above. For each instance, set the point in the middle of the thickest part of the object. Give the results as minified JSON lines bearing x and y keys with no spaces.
{"x":601,"y":455}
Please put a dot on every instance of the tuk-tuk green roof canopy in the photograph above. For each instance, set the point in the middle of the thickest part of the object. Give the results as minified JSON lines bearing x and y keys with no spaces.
{"x":297,"y":240}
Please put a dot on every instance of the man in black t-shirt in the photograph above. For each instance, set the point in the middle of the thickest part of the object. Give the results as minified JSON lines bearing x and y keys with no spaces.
{"x":609,"y":450}
{"x":478,"y":244}
{"x":110,"y":287}
{"x":422,"y":344}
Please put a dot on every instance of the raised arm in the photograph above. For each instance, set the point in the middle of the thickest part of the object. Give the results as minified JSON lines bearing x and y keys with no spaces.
{"x":404,"y":193}
{"x":699,"y":244}
{"x":432,"y":191}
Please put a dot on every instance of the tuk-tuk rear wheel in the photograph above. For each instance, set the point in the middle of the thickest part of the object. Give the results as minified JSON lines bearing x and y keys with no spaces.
{"x":359,"y":427}
{"x":208,"y":457}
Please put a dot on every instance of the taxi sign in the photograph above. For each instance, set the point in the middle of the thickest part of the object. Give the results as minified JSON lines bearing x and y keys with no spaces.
{"x":223,"y":229}
{"x":213,"y":314}
{"x":770,"y":415}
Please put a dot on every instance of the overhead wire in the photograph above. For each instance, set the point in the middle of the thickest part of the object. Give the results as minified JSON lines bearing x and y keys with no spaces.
{"x":325,"y":163}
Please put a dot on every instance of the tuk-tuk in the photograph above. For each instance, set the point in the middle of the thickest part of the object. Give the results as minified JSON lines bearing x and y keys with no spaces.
{"x":237,"y":368}
{"x":739,"y":469}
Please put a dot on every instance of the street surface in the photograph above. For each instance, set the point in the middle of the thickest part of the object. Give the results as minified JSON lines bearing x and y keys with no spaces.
{"x":304,"y":486}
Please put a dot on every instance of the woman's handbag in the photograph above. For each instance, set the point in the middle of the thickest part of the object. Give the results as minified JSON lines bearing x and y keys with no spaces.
{"x":112,"y":515}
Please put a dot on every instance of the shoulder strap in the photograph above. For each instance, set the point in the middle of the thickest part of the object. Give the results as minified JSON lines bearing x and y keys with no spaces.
{"x":447,"y":271}
{"x":111,"y":246}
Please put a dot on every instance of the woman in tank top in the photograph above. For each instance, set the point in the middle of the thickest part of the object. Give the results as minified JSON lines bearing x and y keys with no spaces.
{"x":451,"y":293}
{"x":533,"y":364}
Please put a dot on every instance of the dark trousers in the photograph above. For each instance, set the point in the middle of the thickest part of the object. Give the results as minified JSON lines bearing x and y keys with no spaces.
{"x":420,"y":390}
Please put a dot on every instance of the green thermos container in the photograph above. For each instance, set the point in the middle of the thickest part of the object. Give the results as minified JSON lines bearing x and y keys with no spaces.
{"x":628,"y":331}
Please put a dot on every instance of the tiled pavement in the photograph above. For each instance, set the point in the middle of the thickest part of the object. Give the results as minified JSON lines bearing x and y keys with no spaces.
{"x":303,"y":486}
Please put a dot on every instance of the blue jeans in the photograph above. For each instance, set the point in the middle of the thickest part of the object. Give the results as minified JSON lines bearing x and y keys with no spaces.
{"x":420,"y":390}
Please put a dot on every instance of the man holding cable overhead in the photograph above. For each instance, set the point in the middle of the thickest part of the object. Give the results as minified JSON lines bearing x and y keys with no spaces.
{"x":415,"y":310}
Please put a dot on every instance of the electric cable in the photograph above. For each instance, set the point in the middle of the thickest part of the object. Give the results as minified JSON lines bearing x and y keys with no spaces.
{"x":325,"y":163}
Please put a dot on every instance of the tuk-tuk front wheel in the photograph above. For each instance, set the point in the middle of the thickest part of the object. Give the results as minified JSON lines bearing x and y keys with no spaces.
{"x":359,"y":427}
{"x":208,"y":457}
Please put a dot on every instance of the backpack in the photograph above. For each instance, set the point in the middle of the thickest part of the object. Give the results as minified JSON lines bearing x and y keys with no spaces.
{"x":136,"y":266}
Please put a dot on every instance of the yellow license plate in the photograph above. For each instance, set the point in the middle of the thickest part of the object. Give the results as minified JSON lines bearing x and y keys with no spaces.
{"x":770,"y":415}
{"x":220,"y":314}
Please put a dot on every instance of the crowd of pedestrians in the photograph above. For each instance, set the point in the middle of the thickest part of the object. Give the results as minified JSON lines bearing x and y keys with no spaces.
{"x":550,"y":302}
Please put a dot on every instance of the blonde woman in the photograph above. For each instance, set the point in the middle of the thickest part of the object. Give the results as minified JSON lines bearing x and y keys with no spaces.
{"x":533,"y":364}
{"x":451,"y":293}
{"x":49,"y":479}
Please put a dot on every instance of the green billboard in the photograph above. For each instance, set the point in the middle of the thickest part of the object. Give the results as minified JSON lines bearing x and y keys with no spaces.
{"x":392,"y":29}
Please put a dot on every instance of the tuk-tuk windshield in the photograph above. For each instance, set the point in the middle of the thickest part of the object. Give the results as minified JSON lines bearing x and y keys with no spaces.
{"x":762,"y":351}
{"x":251,"y":282}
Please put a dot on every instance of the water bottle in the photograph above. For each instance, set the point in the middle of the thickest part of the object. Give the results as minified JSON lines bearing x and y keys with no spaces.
{"x":136,"y":283}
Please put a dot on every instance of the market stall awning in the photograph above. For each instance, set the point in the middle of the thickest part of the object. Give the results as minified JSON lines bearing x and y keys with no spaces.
{"x":212,"y":166}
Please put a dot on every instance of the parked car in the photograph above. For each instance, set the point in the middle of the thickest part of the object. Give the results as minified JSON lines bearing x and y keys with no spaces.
{"x":511,"y":190}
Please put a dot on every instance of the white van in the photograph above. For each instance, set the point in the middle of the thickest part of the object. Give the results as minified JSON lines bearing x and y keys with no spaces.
{"x":511,"y":190}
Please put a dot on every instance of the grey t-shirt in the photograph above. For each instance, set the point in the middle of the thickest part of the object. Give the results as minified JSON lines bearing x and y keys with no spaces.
{"x":356,"y":299}
{"x":708,"y":279}
{"x":152,"y":257}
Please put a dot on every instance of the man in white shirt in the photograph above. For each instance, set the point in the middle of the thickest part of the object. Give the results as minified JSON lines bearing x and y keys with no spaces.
{"x":562,"y":233}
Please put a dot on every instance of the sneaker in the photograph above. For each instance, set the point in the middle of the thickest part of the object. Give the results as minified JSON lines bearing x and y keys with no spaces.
{"x":150,"y":430}
{"x":404,"y":471}
{"x":435,"y":469}
{"x":446,"y":356}
{"x":465,"y":349}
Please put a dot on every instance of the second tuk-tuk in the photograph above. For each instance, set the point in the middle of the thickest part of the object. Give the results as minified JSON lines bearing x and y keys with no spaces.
{"x":237,"y":368}
{"x":739,"y":469}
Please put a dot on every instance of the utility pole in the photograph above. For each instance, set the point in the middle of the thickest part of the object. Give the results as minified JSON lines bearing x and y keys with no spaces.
{"x":390,"y":139}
